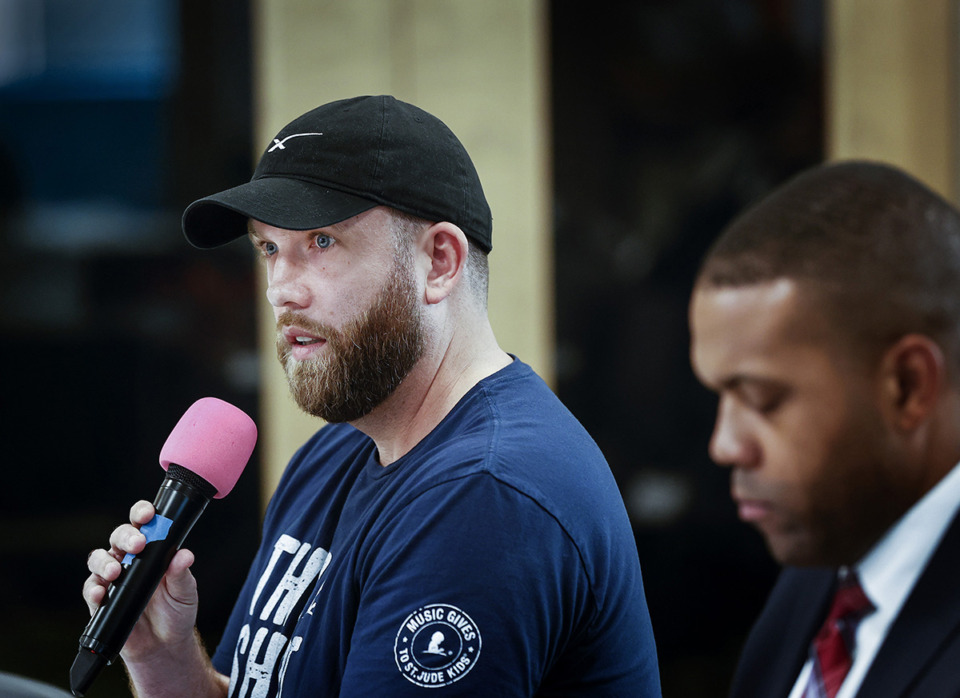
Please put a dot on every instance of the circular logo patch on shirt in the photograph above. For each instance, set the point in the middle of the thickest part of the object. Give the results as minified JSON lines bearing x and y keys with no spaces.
{"x":437,"y":645}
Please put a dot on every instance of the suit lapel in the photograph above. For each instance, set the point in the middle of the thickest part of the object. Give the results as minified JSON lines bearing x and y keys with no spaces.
{"x":929,"y":617}
{"x":813,"y":601}
{"x":779,"y":643}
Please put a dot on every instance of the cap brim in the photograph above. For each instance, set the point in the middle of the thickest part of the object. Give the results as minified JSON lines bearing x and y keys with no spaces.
{"x":290,"y":204}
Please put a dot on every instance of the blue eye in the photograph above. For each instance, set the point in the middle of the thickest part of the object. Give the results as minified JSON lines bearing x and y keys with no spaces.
{"x":270,"y":248}
{"x":323,"y":241}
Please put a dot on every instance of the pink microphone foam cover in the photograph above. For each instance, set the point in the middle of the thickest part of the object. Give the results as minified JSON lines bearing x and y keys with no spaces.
{"x":213,"y":439}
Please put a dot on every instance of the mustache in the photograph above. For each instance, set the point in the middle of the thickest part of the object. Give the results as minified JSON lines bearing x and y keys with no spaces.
{"x":289,"y":317}
{"x":743,"y":486}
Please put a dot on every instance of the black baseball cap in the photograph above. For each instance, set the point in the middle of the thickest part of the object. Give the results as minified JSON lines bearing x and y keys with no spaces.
{"x":344,"y":158}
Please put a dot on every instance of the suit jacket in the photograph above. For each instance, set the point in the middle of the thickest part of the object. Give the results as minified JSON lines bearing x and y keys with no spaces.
{"x":920,"y":657}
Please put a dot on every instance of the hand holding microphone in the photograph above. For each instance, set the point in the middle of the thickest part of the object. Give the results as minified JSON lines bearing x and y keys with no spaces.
{"x":203,"y":456}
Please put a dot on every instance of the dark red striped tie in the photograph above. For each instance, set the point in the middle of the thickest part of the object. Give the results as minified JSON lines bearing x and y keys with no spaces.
{"x":834,"y":643}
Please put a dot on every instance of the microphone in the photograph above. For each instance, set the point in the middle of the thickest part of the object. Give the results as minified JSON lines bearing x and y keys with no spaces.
{"x":203,"y":456}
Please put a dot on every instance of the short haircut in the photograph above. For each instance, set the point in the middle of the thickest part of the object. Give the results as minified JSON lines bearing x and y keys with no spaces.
{"x":881,"y":249}
{"x":408,"y":227}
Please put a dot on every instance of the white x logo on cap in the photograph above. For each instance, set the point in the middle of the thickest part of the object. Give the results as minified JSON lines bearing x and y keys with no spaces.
{"x":278,"y":144}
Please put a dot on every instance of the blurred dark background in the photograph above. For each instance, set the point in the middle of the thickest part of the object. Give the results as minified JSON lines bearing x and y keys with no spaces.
{"x":669,"y":116}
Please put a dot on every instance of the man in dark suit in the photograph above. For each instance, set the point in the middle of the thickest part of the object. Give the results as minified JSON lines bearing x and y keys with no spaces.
{"x":827,"y":320}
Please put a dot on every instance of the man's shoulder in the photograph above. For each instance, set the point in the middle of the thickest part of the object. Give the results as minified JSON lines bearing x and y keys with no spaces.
{"x":517,"y":430}
{"x":326,"y":455}
{"x":513,"y":433}
{"x":530,"y":416}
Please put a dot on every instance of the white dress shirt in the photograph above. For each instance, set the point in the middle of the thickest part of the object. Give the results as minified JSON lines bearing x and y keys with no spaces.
{"x":889,"y":572}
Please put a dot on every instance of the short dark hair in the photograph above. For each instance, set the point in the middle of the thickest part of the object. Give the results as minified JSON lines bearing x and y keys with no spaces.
{"x":882,"y":248}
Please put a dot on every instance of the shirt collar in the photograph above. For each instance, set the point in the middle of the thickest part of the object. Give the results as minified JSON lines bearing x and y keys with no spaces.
{"x":891,"y":568}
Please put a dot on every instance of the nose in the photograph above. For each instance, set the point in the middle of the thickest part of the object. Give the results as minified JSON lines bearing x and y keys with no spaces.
{"x":285,"y":284}
{"x":732,"y":443}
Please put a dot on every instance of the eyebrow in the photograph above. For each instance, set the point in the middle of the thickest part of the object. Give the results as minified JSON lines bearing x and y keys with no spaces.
{"x":730,"y":382}
{"x":740,"y":381}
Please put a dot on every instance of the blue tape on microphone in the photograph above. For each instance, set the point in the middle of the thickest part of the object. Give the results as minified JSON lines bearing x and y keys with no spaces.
{"x":157,"y":529}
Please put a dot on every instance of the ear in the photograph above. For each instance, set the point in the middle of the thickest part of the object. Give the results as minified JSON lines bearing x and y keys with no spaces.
{"x":445,"y":247}
{"x":914,"y":376}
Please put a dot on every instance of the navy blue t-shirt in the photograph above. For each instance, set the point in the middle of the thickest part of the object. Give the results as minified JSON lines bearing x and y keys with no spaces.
{"x":493,"y":559}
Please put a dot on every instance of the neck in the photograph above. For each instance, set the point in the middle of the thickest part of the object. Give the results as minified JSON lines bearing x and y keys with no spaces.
{"x":445,"y":373}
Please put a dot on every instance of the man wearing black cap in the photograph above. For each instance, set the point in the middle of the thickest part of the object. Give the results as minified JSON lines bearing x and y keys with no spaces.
{"x":454,"y":527}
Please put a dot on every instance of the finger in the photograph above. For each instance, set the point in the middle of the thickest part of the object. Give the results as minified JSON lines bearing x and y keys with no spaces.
{"x":141,"y":512}
{"x":104,"y":565}
{"x":181,"y":562}
{"x":126,"y":539}
{"x":94,"y":592}
{"x":181,"y":584}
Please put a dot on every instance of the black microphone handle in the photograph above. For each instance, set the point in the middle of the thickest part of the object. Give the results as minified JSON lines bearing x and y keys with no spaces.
{"x":182,"y":498}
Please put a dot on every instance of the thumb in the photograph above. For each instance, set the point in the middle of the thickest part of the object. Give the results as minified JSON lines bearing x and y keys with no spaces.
{"x":180,"y":582}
